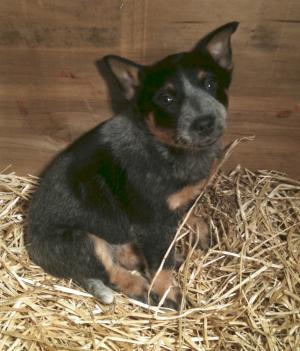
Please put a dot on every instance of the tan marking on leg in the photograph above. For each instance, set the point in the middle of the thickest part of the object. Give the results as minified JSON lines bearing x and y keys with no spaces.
{"x":122,"y":279}
{"x":103,"y":252}
{"x":201,"y":229}
{"x":163,"y":281}
{"x":197,"y":222}
{"x":128,"y":256}
{"x":184,"y":196}
{"x":128,"y":283}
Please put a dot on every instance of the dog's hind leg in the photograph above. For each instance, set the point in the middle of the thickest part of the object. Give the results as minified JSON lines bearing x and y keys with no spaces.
{"x":114,"y":258}
{"x":90,"y":261}
{"x":70,"y":254}
{"x":129,"y":257}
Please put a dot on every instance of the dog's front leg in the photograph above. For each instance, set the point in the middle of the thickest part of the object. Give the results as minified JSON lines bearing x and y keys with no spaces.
{"x":154,"y":242}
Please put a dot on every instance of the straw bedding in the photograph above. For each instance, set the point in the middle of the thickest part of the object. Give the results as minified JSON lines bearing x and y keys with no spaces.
{"x":243,"y":294}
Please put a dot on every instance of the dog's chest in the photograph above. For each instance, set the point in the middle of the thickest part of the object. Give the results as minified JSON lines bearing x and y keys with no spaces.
{"x":190,"y":168}
{"x":193,"y":173}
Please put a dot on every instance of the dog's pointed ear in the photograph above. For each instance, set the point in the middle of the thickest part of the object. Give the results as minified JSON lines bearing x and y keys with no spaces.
{"x":127,"y":73}
{"x":218,"y":44}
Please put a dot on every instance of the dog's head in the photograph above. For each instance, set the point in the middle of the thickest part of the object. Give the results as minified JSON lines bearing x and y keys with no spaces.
{"x":182,"y":98}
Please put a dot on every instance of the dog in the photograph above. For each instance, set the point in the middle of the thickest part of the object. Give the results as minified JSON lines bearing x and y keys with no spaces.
{"x":110,"y":203}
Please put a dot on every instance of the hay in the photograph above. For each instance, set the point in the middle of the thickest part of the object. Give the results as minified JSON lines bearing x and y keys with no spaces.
{"x":243,"y":294}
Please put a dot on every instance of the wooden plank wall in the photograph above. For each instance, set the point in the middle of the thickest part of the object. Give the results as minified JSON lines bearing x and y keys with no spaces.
{"x":51,"y":91}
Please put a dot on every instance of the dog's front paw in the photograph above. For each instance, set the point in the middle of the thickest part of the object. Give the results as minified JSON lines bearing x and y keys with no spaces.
{"x":202,"y":235}
{"x":164,"y":285}
{"x":132,"y":285}
{"x":174,"y":298}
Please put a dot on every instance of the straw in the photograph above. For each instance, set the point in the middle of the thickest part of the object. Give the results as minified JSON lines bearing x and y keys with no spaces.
{"x":243,"y":294}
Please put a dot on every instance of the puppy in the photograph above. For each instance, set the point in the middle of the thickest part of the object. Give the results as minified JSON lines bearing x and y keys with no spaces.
{"x":110,"y":203}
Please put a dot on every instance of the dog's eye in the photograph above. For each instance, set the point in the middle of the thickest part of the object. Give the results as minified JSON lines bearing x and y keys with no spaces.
{"x":210,"y":85}
{"x":166,"y":99}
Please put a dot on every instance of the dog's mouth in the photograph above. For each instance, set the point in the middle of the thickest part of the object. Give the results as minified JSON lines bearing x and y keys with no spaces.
{"x":180,"y":142}
{"x":198,"y":143}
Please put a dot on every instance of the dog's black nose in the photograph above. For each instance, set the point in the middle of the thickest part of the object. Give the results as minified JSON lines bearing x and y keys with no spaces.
{"x":203,"y":124}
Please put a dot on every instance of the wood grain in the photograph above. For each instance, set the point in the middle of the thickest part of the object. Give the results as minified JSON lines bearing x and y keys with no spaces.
{"x":51,"y":91}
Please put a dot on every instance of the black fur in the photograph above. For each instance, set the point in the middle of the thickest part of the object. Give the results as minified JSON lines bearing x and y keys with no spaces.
{"x":114,"y":181}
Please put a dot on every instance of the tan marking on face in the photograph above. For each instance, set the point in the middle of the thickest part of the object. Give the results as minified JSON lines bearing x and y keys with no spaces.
{"x":170,"y":87}
{"x":164,"y":135}
{"x":123,"y":280}
{"x":188,"y":193}
{"x":201,"y":74}
{"x":164,"y":281}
